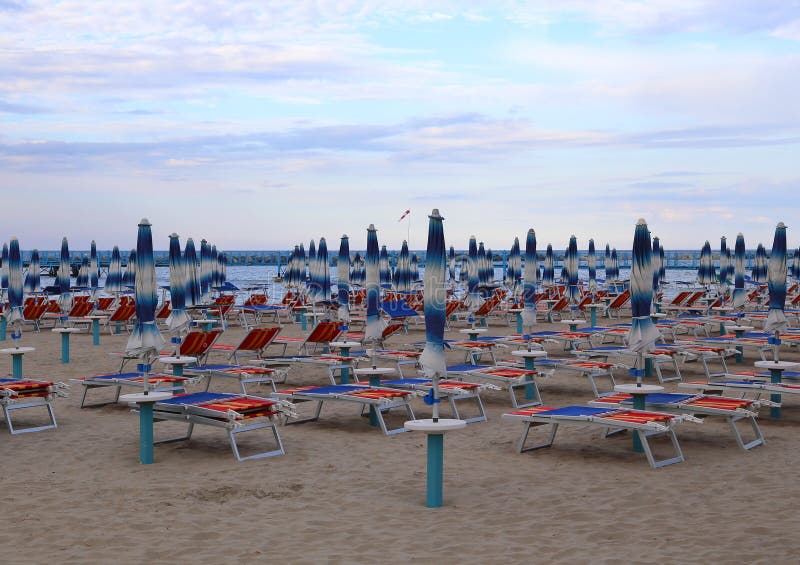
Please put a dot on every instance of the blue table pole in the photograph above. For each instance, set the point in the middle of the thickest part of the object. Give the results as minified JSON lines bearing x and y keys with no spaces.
{"x":3,"y":326}
{"x":593,"y":316}
{"x":146,"y":433}
{"x":374,"y":380}
{"x":435,"y":470}
{"x":739,"y":348}
{"x":345,"y":351}
{"x":65,"y":347}
{"x":16,"y":365}
{"x":303,"y":322}
{"x":177,"y":369}
{"x":519,"y":322}
{"x":648,"y":367}
{"x":95,"y":331}
{"x":775,"y":377}
{"x":530,"y":365}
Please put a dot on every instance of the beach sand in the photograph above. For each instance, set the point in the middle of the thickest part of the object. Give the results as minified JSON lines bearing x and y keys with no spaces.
{"x":344,"y":493}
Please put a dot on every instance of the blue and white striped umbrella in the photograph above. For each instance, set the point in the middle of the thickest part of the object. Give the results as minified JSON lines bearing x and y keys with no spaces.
{"x":386,"y":272}
{"x":63,"y":278}
{"x":312,"y":291}
{"x":374,"y":328}
{"x":414,"y":268}
{"x":511,"y":269}
{"x":723,"y":265}
{"x":114,"y":277}
{"x":483,"y":278}
{"x":531,"y":276}
{"x":403,"y":270}
{"x":473,"y":300}
{"x":94,"y":268}
{"x":355,"y":270}
{"x":796,"y":264}
{"x":14,"y":270}
{"x":33,"y":276}
{"x":302,"y":263}
{"x":489,"y":262}
{"x":607,"y":261}
{"x":451,"y":264}
{"x":739,"y":294}
{"x":591,"y":261}
{"x":129,"y":278}
{"x":190,"y":270}
{"x":178,"y":318}
{"x":643,"y":333}
{"x":662,"y":265}
{"x":323,"y":273}
{"x":759,"y":272}
{"x":145,"y":337}
{"x":292,"y":272}
{"x":614,"y":271}
{"x":4,"y":267}
{"x":705,"y":272}
{"x":205,"y":272}
{"x":82,"y":281}
{"x":343,"y":283}
{"x":549,"y":274}
{"x":656,"y":265}
{"x":777,"y":270}
{"x":213,"y":259}
{"x":432,"y":359}
{"x":223,"y":272}
{"x":571,"y":265}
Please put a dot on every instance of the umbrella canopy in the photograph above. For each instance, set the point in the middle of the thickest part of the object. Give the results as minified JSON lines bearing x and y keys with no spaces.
{"x":114,"y":277}
{"x":385,"y":271}
{"x":607,"y":259}
{"x":739,"y":294}
{"x":483,"y":273}
{"x":705,"y":272}
{"x":323,"y":272}
{"x":614,"y":275}
{"x":63,"y":277}
{"x":473,"y":300}
{"x":643,"y":333}
{"x":205,"y":271}
{"x":129,"y":278}
{"x":145,"y":337}
{"x":571,"y":265}
{"x":432,"y":359}
{"x":414,"y":268}
{"x":4,"y":267}
{"x":591,"y":261}
{"x":374,"y":328}
{"x":292,"y":269}
{"x":94,"y":269}
{"x":514,"y":267}
{"x":549,"y":274}
{"x":403,"y":270}
{"x":190,"y":271}
{"x":356,"y":273}
{"x":656,"y":264}
{"x":82,"y":281}
{"x":312,"y":290}
{"x":178,"y":318}
{"x":451,"y":264}
{"x":33,"y":277}
{"x":759,"y":273}
{"x":463,"y":275}
{"x":776,"y":319}
{"x":723,"y":264}
{"x":302,"y":264}
{"x":529,"y":284}
{"x":343,"y":282}
{"x":14,"y":270}
{"x":796,"y":264}
{"x":662,"y":265}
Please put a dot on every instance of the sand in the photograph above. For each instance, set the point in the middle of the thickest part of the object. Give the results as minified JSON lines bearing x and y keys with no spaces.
{"x":344,"y":493}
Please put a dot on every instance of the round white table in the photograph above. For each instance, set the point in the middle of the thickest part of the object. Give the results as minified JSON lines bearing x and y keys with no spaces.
{"x":739,"y":331}
{"x":435,"y":431}
{"x":16,"y":359}
{"x":145,"y":403}
{"x":178,"y":362}
{"x":776,"y":369}
{"x":344,"y":348}
{"x":65,"y":333}
{"x":473,"y":333}
{"x":573,"y":324}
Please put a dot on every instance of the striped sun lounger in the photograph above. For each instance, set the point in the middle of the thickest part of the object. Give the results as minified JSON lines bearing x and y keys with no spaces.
{"x":22,"y":394}
{"x":158,"y":381}
{"x":453,"y":391}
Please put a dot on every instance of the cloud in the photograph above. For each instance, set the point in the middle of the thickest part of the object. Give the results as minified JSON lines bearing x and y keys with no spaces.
{"x":11,"y":108}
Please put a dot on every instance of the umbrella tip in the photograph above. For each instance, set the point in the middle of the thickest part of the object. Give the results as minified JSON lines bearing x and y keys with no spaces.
{"x":371,"y":227}
{"x":781,"y":225}
{"x":144,"y":222}
{"x":435,"y":214}
{"x":173,"y":235}
{"x":740,"y":234}
{"x":641,"y":222}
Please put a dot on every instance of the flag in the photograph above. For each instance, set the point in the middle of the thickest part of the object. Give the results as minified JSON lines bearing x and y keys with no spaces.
{"x":406,"y":213}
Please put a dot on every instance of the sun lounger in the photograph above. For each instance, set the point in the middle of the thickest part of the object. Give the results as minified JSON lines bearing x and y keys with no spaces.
{"x":399,"y":357}
{"x":228,"y":411}
{"x":254,"y":343}
{"x":157,"y":381}
{"x":244,"y":374}
{"x":507,"y":378}
{"x":741,"y":386}
{"x":334,"y":363}
{"x":322,"y":334}
{"x":705,"y":354}
{"x":453,"y":391}
{"x":587,"y":368}
{"x":643,"y":423}
{"x":382,"y":399}
{"x":22,"y":394}
{"x":731,"y":409}
{"x":658,"y":357}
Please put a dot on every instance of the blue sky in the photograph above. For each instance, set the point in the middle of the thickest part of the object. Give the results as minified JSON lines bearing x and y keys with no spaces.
{"x":264,"y":124}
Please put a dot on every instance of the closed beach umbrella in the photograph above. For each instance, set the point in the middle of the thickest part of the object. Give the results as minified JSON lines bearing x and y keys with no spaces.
{"x":549,"y":274}
{"x":114,"y":278}
{"x":723,"y":264}
{"x":571,"y":264}
{"x":796,"y":264}
{"x":343,"y":284}
{"x":63,"y":278}
{"x":759,"y":273}
{"x":614,"y":265}
{"x":205,"y":272}
{"x":33,"y":277}
{"x":662,"y":265}
{"x":705,"y":272}
{"x":323,"y":272}
{"x":591,"y":261}
{"x":4,"y":267}
{"x":473,"y":300}
{"x":514,"y":267}
{"x":223,"y":269}
{"x":178,"y":317}
{"x":529,"y":284}
{"x":14,"y":270}
{"x":94,"y":270}
{"x":355,"y":271}
{"x":739,"y":294}
{"x":216,"y":274}
{"x":403,"y":270}
{"x":656,"y":264}
{"x":83,"y":273}
{"x":386,"y":273}
{"x":432,"y":359}
{"x":145,"y":337}
{"x":129,"y":278}
{"x":452,"y":265}
{"x":643,"y":333}
{"x":414,"y":268}
{"x":607,"y":261}
{"x":483,"y":273}
{"x":190,"y":270}
{"x":312,"y":290}
{"x":776,"y":274}
{"x":374,"y":328}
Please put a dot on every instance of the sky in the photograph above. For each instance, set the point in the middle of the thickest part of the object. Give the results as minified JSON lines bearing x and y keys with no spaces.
{"x":263,"y":124}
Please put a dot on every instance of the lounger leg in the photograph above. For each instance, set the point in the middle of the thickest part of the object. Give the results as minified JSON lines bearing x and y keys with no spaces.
{"x":643,"y":435}
{"x":234,"y":446}
{"x":49,"y":426}
{"x":186,"y":437}
{"x":535,"y":398}
{"x":759,"y":436}
{"x":552,"y":436}
{"x":379,"y":410}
